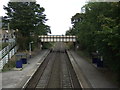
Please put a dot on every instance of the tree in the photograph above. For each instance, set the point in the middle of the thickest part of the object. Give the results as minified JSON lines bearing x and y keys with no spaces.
{"x":27,"y":17}
{"x":98,"y":30}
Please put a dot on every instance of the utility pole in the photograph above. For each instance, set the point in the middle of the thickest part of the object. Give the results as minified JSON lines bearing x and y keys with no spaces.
{"x":8,"y":26}
{"x":30,"y":48}
{"x":8,"y":41}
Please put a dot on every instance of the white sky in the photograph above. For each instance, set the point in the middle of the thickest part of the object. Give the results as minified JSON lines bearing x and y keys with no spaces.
{"x":59,"y":13}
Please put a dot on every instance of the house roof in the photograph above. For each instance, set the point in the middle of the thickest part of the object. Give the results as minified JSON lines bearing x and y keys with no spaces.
{"x":4,"y":31}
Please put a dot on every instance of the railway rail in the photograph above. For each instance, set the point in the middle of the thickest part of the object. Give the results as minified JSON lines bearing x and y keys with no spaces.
{"x":55,"y":72}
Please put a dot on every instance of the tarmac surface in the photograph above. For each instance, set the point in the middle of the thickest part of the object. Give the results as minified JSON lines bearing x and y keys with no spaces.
{"x":14,"y":78}
{"x":88,"y":75}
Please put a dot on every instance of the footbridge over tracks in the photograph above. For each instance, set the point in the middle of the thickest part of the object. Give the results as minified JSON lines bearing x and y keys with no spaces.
{"x":57,"y":38}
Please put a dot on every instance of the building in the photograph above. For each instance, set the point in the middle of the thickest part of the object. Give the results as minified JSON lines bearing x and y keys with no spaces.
{"x":6,"y":36}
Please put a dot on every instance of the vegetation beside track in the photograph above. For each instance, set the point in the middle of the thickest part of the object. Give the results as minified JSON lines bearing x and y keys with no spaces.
{"x":28,"y":20}
{"x":109,"y":74}
{"x":10,"y":65}
{"x":97,"y":30}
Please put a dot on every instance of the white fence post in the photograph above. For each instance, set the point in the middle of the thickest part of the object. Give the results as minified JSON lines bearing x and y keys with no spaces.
{"x":0,"y":54}
{"x":7,"y":53}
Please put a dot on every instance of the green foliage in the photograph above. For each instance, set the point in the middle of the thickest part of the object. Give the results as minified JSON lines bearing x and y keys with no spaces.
{"x":47,"y":45}
{"x":10,"y":65}
{"x":29,"y":19}
{"x":98,"y":29}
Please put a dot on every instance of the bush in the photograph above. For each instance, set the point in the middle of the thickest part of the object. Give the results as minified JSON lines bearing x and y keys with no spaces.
{"x":8,"y":66}
{"x":46,"y":45}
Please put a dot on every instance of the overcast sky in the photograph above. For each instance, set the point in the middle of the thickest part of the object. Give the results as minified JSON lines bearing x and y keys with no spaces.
{"x":59,"y":13}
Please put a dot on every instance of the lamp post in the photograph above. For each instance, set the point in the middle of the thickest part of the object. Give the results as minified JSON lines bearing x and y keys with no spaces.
{"x":30,"y":48}
{"x":8,"y":33}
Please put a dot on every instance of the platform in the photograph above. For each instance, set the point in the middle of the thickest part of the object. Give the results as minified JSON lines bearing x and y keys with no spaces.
{"x":87,"y":74}
{"x":16,"y":79}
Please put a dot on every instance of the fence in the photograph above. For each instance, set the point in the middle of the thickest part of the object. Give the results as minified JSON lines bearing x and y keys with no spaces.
{"x":7,"y":53}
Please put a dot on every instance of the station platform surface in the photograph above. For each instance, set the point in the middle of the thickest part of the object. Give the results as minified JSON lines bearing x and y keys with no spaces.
{"x":89,"y":74}
{"x":17,"y":78}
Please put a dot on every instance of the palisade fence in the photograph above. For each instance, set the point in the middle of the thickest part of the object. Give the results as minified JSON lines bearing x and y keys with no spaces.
{"x":7,"y":53}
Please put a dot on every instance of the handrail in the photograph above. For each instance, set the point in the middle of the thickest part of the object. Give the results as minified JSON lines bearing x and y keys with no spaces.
{"x":6,"y":50}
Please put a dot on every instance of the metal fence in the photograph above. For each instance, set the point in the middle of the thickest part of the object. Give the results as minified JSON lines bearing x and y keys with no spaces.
{"x":7,"y":53}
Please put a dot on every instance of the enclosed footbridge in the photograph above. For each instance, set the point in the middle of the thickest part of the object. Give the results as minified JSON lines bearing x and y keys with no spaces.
{"x":57,"y":38}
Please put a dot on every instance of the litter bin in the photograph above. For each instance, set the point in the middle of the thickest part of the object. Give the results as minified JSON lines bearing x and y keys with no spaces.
{"x":24,"y":60}
{"x":99,"y":63}
{"x":19,"y":64}
{"x":94,"y":57}
{"x":94,"y":60}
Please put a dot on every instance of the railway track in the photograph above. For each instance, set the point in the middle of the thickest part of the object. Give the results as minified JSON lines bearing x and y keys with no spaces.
{"x":55,"y":72}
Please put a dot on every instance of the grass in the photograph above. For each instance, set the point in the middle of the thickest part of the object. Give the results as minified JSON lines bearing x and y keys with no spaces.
{"x":108,"y":74}
{"x":84,"y":55}
{"x":47,"y":45}
{"x":10,"y":65}
{"x":12,"y":62}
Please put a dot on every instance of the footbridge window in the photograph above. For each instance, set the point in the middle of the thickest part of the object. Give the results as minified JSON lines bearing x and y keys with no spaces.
{"x":57,"y":38}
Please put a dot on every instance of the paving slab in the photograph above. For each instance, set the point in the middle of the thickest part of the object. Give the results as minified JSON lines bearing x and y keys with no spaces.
{"x":16,"y":78}
{"x":94,"y":77}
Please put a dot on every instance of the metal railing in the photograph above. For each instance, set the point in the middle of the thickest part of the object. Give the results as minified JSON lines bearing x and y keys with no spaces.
{"x":6,"y":54}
